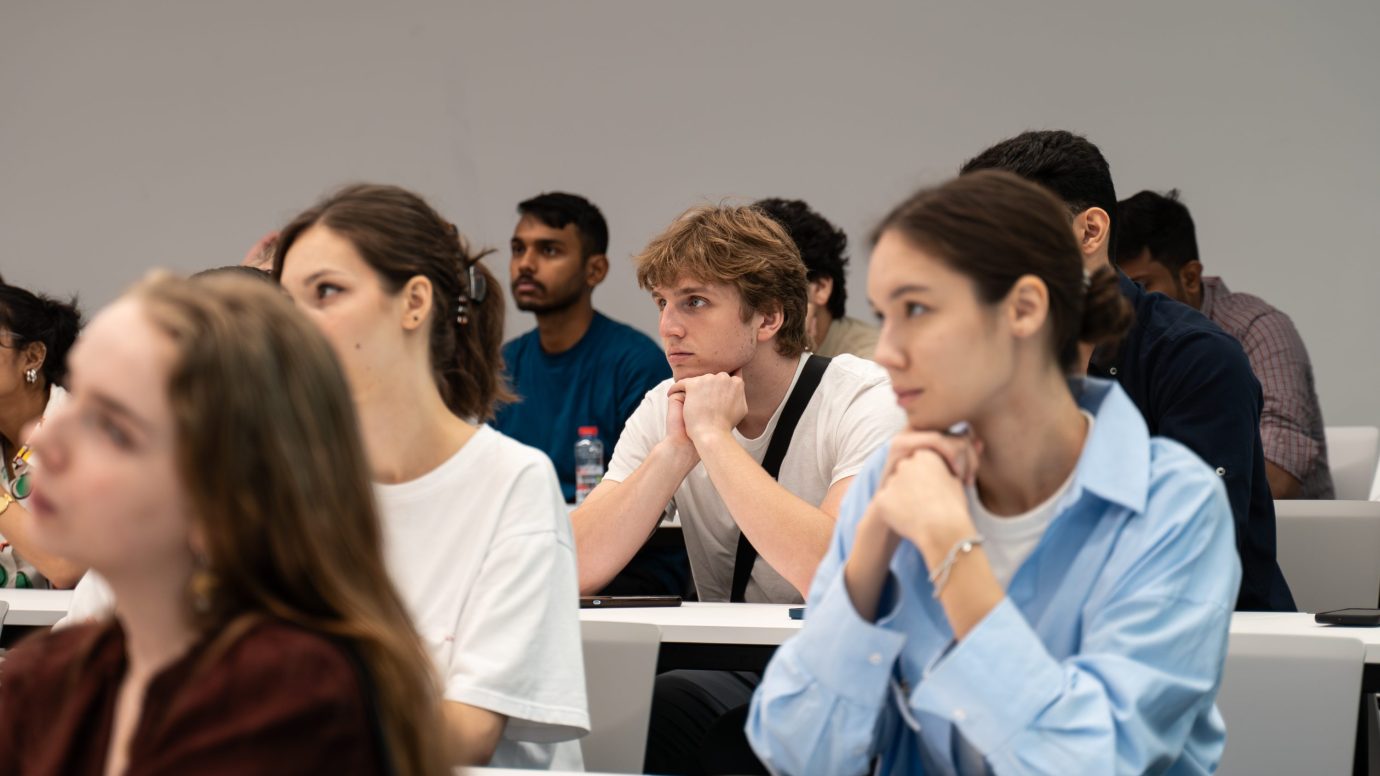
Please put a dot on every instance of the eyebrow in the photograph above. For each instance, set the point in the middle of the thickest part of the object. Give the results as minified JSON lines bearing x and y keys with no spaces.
{"x":116,"y":408}
{"x":317,"y":275}
{"x":912,"y":288}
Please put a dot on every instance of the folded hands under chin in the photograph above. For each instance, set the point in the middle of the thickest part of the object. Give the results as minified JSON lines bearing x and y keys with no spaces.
{"x":922,"y":497}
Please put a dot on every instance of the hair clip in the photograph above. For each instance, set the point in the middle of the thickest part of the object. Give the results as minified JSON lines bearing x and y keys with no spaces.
{"x":476,"y":289}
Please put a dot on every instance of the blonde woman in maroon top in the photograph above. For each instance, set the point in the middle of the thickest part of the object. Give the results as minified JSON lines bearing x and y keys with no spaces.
{"x":208,"y":465}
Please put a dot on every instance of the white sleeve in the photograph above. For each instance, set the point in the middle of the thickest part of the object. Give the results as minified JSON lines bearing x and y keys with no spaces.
{"x":92,"y":599}
{"x":869,"y":421}
{"x":517,"y":643}
{"x":643,"y":430}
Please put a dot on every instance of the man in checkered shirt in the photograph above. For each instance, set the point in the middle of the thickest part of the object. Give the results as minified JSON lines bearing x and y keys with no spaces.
{"x":1156,"y":247}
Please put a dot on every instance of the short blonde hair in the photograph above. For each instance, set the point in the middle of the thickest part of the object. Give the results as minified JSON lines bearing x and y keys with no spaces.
{"x":740,"y":246}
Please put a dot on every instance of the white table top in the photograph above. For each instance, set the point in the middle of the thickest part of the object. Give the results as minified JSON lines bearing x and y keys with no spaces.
{"x":35,"y":607}
{"x":709,"y":623}
{"x":1302,"y":625}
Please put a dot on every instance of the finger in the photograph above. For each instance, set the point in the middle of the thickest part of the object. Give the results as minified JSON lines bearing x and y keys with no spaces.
{"x":908,"y":443}
{"x":677,"y":389}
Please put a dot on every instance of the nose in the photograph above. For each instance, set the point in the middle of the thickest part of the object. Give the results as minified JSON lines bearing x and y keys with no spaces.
{"x":890,"y":352}
{"x":524,"y":262}
{"x":670,"y":326}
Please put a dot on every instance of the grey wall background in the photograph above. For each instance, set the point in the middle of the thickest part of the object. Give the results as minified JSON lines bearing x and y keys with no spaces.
{"x":172,"y":133}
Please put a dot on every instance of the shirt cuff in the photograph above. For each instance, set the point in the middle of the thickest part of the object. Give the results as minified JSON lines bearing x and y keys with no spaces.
{"x":974,"y":686}
{"x":849,"y":656}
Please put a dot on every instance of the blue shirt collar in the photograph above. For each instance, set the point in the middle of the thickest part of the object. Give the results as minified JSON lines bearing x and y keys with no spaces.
{"x":1115,"y":463}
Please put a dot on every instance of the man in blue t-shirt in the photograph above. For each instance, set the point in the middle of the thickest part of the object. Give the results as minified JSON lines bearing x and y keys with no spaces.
{"x":578,"y":367}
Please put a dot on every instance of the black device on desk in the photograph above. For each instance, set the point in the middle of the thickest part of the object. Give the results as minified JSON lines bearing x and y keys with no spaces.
{"x":1366,"y":617}
{"x":627,"y":601}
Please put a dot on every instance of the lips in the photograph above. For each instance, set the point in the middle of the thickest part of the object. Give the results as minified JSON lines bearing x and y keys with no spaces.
{"x":904,"y":397}
{"x":39,"y":506}
{"x":527,"y":286}
{"x":678,"y":356}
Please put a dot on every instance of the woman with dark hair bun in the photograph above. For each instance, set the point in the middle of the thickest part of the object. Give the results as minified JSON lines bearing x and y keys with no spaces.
{"x":1024,"y":580}
{"x":35,"y":334}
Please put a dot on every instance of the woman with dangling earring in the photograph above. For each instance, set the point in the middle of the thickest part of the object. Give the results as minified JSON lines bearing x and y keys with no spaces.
{"x":35,"y":334}
{"x":256,"y":629}
{"x":476,"y":535}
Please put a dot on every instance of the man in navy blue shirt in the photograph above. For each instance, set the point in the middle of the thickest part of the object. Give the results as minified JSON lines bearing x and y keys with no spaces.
{"x":1190,"y":379}
{"x":578,"y":367}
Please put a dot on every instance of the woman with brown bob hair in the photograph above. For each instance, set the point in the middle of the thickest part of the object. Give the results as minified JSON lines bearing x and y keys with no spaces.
{"x":209,"y":466}
{"x":1048,"y":592}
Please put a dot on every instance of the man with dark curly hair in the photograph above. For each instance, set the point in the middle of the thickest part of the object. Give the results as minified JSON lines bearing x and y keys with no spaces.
{"x":823,"y":248}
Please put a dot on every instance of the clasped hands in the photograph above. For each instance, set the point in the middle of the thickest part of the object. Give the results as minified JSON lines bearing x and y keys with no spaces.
{"x":922,"y":496}
{"x":703,"y":410}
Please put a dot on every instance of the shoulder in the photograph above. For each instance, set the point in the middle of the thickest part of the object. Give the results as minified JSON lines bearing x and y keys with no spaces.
{"x":850,"y":372}
{"x":1182,"y":487}
{"x":518,"y":482}
{"x":515,"y":346}
{"x":1179,"y":340}
{"x":275,"y":655}
{"x":44,"y":661}
{"x":624,"y":342}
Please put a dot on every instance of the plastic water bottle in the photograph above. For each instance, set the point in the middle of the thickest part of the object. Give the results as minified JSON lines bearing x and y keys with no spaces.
{"x":589,"y":462}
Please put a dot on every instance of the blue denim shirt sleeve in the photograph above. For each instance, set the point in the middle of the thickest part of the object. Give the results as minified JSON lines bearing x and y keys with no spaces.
{"x":1139,"y":686}
{"x":822,"y":703}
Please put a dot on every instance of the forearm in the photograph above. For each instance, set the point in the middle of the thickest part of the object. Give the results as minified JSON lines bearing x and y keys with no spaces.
{"x":868,"y":566}
{"x":1283,"y":485}
{"x":472,"y":733}
{"x":790,"y":534}
{"x":617,"y":517}
{"x":15,"y":525}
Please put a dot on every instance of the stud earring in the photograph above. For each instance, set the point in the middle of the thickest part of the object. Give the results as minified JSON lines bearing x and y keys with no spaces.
{"x":31,"y":376}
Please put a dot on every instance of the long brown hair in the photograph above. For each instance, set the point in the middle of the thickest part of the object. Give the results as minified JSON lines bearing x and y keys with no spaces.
{"x":996,"y":227}
{"x":273,"y":463}
{"x":400,"y":236}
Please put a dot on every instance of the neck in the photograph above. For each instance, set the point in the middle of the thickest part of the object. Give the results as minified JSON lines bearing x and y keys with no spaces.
{"x":765,"y":381}
{"x":20,"y":409}
{"x":408,"y":429}
{"x":562,"y":330}
{"x":1012,"y":477}
{"x":155,"y":618}
{"x":823,"y":320}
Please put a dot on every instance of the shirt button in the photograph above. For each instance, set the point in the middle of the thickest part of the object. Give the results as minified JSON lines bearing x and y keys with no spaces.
{"x":1221,"y":472}
{"x":1112,"y":371}
{"x":875,"y":658}
{"x":960,"y":715}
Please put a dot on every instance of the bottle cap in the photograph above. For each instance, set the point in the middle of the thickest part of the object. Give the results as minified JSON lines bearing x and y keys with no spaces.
{"x":589,"y":431}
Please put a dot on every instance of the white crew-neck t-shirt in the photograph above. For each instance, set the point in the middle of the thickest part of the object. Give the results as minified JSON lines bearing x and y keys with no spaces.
{"x":852,"y":412}
{"x":1008,"y":541}
{"x":481,"y":551}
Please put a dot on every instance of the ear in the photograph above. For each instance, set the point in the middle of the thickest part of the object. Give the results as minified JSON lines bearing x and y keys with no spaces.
{"x":1091,"y":228}
{"x":596,"y":269}
{"x":1027,"y":306}
{"x":35,"y":353}
{"x":416,"y":302}
{"x":820,"y":290}
{"x":1191,"y":277}
{"x":769,"y":324}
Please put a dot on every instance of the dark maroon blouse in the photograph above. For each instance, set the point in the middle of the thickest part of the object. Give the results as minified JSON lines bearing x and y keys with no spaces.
{"x":278,"y":700}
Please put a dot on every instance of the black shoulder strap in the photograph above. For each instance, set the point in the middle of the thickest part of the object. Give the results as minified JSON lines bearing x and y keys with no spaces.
{"x":776,"y":453}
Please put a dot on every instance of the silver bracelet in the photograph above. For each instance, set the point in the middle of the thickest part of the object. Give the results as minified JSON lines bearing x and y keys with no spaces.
{"x":939,"y":578}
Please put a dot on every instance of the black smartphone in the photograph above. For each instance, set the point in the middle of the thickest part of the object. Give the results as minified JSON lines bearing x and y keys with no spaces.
{"x":1367,"y":617}
{"x":627,"y":601}
{"x":796,"y":612}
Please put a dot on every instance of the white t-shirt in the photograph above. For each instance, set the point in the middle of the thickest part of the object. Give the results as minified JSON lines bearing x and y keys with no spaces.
{"x":12,"y":565}
{"x":481,"y":551}
{"x":1008,"y":541}
{"x":852,"y":413}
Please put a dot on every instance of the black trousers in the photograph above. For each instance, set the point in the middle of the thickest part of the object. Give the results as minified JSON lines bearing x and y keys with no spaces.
{"x":697,"y":724}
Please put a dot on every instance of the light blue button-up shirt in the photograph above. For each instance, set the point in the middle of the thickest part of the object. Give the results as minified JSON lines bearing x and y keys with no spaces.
{"x":1104,"y":656}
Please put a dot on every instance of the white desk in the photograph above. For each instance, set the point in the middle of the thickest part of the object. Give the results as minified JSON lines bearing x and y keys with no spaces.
{"x":709,"y":623}
{"x":1303,"y":625}
{"x":35,"y":608}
